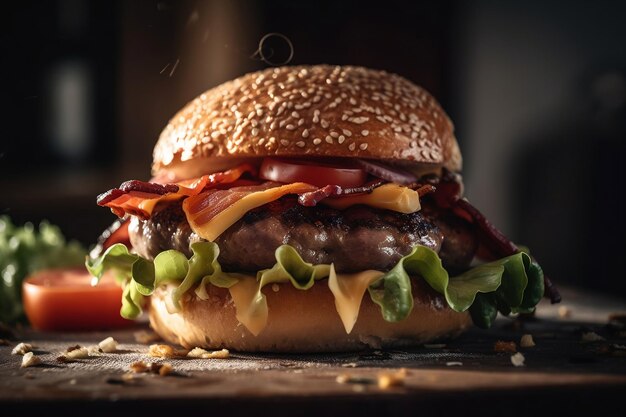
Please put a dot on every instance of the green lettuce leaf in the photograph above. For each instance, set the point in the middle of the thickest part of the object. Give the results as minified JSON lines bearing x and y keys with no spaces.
{"x":25,"y":250}
{"x":507,"y":279}
{"x":511,"y":284}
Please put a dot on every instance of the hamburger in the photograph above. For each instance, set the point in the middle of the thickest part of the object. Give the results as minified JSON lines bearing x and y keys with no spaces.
{"x":310,"y":208}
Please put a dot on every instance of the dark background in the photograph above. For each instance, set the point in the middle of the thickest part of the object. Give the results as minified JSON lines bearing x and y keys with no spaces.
{"x":537,"y":92}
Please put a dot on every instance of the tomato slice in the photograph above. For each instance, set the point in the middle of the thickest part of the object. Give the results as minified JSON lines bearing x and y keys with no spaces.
{"x":314,"y":172}
{"x":64,"y":299}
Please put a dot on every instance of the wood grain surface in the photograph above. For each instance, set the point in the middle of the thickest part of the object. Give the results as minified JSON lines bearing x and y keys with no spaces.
{"x":561,"y":373}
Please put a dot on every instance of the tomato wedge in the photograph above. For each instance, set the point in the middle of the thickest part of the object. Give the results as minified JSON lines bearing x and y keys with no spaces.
{"x":314,"y":172}
{"x":64,"y":299}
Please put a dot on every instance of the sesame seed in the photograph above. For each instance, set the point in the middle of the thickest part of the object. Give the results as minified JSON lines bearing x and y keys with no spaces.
{"x":334,"y":134}
{"x":251,"y":115}
{"x":254,"y":122}
{"x":316,"y":119}
{"x":300,"y":144}
{"x":305,"y":133}
{"x":317,"y":141}
{"x":352,"y":146}
{"x":359,"y":120}
{"x":261,"y":141}
{"x":284,"y":142}
{"x":347,"y":132}
{"x":215,"y":134}
{"x":295,"y":114}
{"x":329,"y":139}
{"x":341,"y":139}
{"x":255,"y":131}
{"x":353,"y":101}
{"x":363,"y":146}
{"x":365,"y":132}
{"x":300,"y":122}
{"x":344,"y":117}
{"x":290,"y":127}
{"x":324,"y":124}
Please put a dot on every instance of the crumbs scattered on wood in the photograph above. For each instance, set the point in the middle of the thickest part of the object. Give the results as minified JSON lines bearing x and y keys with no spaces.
{"x":30,"y":359}
{"x":199,"y":353}
{"x":166,"y":351}
{"x":518,"y":359}
{"x":162,"y":369}
{"x":22,"y":349}
{"x":527,"y":341}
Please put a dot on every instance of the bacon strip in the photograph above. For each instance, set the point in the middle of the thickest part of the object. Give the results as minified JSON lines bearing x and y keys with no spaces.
{"x":209,"y":214}
{"x":139,"y":198}
{"x":312,"y":198}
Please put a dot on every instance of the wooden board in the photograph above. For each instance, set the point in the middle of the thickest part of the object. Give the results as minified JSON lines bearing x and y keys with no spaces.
{"x":561,"y":373}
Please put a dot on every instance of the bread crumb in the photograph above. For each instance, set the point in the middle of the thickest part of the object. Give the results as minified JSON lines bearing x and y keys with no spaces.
{"x":527,"y":341}
{"x":518,"y":359}
{"x":199,"y":353}
{"x":564,"y":312}
{"x":80,"y":353}
{"x":108,"y":345}
{"x":30,"y":359}
{"x":453,"y":363}
{"x":22,"y":349}
{"x":146,"y":337}
{"x":94,"y":350}
{"x":166,"y":351}
{"x":166,"y":369}
{"x":138,"y":367}
{"x":388,"y":380}
{"x":162,"y":369}
{"x":589,"y":337}
{"x":504,"y":346}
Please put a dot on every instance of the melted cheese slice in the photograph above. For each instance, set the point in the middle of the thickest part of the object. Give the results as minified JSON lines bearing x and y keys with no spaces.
{"x":226,"y":218}
{"x":250,"y":303}
{"x":388,"y":196}
{"x":348,"y":290}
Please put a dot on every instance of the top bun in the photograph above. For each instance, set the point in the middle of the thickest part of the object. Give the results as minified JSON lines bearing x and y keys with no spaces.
{"x":321,"y":110}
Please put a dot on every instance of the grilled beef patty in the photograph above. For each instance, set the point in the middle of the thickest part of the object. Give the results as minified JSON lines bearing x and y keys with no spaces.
{"x":355,"y":239}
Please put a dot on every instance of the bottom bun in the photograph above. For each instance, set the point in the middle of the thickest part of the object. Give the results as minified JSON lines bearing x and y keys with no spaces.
{"x":302,"y":321}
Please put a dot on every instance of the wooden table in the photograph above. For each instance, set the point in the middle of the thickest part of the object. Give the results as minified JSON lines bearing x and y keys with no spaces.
{"x":562,"y":374}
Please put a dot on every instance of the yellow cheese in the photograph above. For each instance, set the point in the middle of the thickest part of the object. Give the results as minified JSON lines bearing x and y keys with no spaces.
{"x":149,"y":204}
{"x":348,"y":290}
{"x":388,"y":196}
{"x":250,"y":303}
{"x":218,"y":224}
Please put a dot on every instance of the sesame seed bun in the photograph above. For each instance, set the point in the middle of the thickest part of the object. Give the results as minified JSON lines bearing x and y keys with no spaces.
{"x":304,"y":111}
{"x":302,"y":321}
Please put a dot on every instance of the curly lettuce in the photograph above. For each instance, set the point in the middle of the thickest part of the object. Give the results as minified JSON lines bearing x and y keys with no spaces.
{"x":25,"y":250}
{"x":510,"y":285}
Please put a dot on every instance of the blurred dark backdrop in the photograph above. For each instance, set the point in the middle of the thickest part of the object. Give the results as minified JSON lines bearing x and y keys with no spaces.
{"x":537,"y":92}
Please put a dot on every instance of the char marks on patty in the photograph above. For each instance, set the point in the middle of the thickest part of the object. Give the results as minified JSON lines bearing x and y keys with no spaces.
{"x":355,"y":239}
